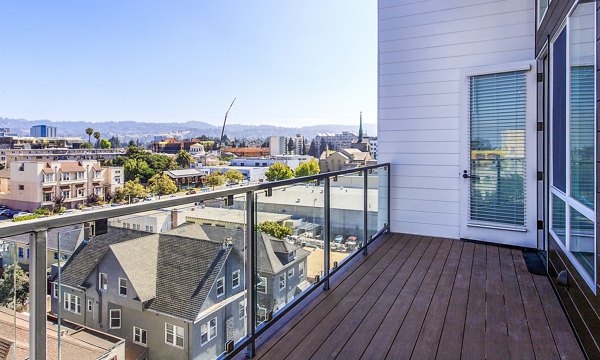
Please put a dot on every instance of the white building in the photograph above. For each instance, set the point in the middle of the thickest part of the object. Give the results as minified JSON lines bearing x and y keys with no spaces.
{"x":290,"y":160}
{"x":277,"y":145}
{"x":335,"y":141}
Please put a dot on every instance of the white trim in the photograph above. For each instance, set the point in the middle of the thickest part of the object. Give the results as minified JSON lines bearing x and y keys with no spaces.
{"x":499,"y":68}
{"x":110,"y":318}
{"x":100,"y":287}
{"x":222,"y":279}
{"x":174,"y":343}
{"x":140,"y":342}
{"x":238,"y":279}
{"x":208,"y":331}
{"x":126,"y":287}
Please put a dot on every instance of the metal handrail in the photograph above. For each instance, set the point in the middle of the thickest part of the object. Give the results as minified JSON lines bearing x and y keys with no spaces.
{"x":132,"y":209}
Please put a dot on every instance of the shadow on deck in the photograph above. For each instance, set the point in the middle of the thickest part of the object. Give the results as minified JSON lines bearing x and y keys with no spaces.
{"x":423,"y":298}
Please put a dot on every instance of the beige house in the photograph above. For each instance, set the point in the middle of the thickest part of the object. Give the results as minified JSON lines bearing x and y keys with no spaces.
{"x":29,"y":185}
{"x":343,"y":159}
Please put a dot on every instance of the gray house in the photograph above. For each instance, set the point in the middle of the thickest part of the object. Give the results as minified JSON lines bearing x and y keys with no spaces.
{"x":181,"y":297}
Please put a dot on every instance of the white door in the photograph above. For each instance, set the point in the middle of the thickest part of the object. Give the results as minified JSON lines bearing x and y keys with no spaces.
{"x":498,"y":156}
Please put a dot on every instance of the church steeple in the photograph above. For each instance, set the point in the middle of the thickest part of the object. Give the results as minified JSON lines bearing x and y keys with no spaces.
{"x":360,"y":130}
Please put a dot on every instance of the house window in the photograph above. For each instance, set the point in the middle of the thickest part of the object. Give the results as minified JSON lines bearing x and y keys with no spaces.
{"x":80,"y":192}
{"x":47,"y":196}
{"x":174,"y":335}
{"x":98,"y":173}
{"x":80,"y":174}
{"x":149,"y":228}
{"x":139,"y":336}
{"x":261,"y":314}
{"x":55,"y":290}
{"x":48,"y":177}
{"x":220,"y":287}
{"x":20,"y":252}
{"x":67,"y":194}
{"x":242,"y":308}
{"x":235,"y":279}
{"x":261,"y":285}
{"x":103,"y":281}
{"x":301,"y":269}
{"x":21,"y":167}
{"x":208,"y":331}
{"x":122,"y":287}
{"x":290,"y":272}
{"x":281,"y":281}
{"x":72,"y":303}
{"x":21,"y":187}
{"x":98,"y":190}
{"x":573,"y":141}
{"x":90,"y":305}
{"x":66,"y":176}
{"x":115,"y":319}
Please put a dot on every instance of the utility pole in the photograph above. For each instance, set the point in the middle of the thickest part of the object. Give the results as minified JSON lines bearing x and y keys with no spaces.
{"x":223,"y":129}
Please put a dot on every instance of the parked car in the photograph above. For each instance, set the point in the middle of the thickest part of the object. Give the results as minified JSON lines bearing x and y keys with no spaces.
{"x":21,"y":213}
{"x":191,"y":192}
{"x":338,"y":239}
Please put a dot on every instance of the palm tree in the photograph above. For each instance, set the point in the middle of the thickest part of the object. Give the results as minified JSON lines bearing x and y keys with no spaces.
{"x":97,"y":137}
{"x":89,"y":132}
{"x":183,"y":159}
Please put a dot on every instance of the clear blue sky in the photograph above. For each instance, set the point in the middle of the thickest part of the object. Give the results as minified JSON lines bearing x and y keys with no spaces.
{"x":289,"y":62}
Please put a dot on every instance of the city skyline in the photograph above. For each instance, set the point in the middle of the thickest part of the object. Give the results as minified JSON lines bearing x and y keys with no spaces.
{"x":295,"y":64}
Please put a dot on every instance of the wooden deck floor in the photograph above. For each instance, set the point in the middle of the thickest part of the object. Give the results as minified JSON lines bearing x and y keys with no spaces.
{"x":423,"y":298}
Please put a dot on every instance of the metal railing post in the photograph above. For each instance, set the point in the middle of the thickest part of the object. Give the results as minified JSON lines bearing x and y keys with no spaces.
{"x":365,"y":208}
{"x":327,"y":232}
{"x":250,"y":274}
{"x":37,"y":295}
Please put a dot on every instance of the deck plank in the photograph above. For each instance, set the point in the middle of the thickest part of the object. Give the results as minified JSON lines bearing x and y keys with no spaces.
{"x":539,"y":329}
{"x":519,"y":340}
{"x":384,"y":336}
{"x":496,"y":330}
{"x":473,"y":346}
{"x":417,"y":297}
{"x":337,"y":302}
{"x":407,"y":336}
{"x":328,"y":346}
{"x":431,"y":332}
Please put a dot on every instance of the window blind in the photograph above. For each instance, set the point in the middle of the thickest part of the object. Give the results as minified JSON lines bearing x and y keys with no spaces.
{"x":497,"y":112}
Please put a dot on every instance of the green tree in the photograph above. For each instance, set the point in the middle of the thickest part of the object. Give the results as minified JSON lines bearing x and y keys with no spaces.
{"x":105,"y":144}
{"x":290,"y":146}
{"x":89,"y":131}
{"x":303,"y":151}
{"x":278,"y":171}
{"x":307,"y":168}
{"x":183,"y":159}
{"x":134,"y":189}
{"x":137,"y":168}
{"x":86,"y":145}
{"x":114,"y":142}
{"x":215,"y":179}
{"x":97,"y":136}
{"x":312,"y":149}
{"x":161,"y":184}
{"x":8,"y":290}
{"x":233,"y":176}
{"x":274,"y":229}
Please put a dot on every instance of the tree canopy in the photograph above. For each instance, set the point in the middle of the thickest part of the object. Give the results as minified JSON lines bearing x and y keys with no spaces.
{"x":7,"y":288}
{"x":105,"y":144}
{"x":134,"y":189}
{"x":183,"y":159}
{"x":215,"y":179}
{"x":233,"y":176}
{"x":278,"y":171}
{"x":274,"y":229}
{"x":142,"y":165}
{"x":307,"y":168}
{"x":162,"y":184}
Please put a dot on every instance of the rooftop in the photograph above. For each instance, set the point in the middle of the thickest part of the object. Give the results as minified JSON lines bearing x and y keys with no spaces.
{"x":230,"y":216}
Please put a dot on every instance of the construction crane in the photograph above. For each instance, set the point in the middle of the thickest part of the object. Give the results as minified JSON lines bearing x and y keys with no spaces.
{"x":223,"y":130}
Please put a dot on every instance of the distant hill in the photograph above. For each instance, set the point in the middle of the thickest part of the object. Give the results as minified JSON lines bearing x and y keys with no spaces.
{"x":145,"y":131}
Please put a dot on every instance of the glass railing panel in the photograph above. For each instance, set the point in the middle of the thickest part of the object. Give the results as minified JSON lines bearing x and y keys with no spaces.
{"x":377,"y":200}
{"x":347,"y":215}
{"x":289,"y":244}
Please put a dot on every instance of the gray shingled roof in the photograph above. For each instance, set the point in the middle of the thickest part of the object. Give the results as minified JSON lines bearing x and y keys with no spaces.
{"x":70,"y":238}
{"x":268,"y":262}
{"x":209,"y":232}
{"x":138,"y":259}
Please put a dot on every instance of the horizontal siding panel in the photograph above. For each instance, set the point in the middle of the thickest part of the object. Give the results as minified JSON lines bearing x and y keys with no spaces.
{"x":449,"y":207}
{"x":422,"y":217}
{"x":425,"y":194}
{"x":418,"y":7}
{"x":421,"y":124}
{"x":419,"y":77}
{"x":440,"y":87}
{"x":468,"y":28}
{"x":426,"y":159}
{"x":436,"y":50}
{"x":445,"y":171}
{"x":446,"y":231}
{"x":413,"y":147}
{"x":456,"y":62}
{"x":423,"y":112}
{"x":418,"y":40}
{"x":393,"y":17}
{"x":417,"y":135}
{"x":419,"y":100}
{"x":426,"y":182}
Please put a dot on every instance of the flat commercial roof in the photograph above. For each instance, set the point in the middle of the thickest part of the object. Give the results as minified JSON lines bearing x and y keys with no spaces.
{"x":232,"y":216}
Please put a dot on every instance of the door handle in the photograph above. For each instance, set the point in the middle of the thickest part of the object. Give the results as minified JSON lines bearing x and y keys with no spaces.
{"x":465,"y":175}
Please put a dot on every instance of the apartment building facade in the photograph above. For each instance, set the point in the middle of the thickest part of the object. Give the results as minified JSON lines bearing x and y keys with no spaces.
{"x":7,"y":156}
{"x":29,"y":185}
{"x":487,"y":112}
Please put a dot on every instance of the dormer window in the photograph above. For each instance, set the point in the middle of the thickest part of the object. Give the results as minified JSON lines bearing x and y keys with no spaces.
{"x":291,"y":256}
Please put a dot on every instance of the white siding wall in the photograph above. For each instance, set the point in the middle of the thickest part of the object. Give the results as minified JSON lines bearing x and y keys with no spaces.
{"x":423,"y":48}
